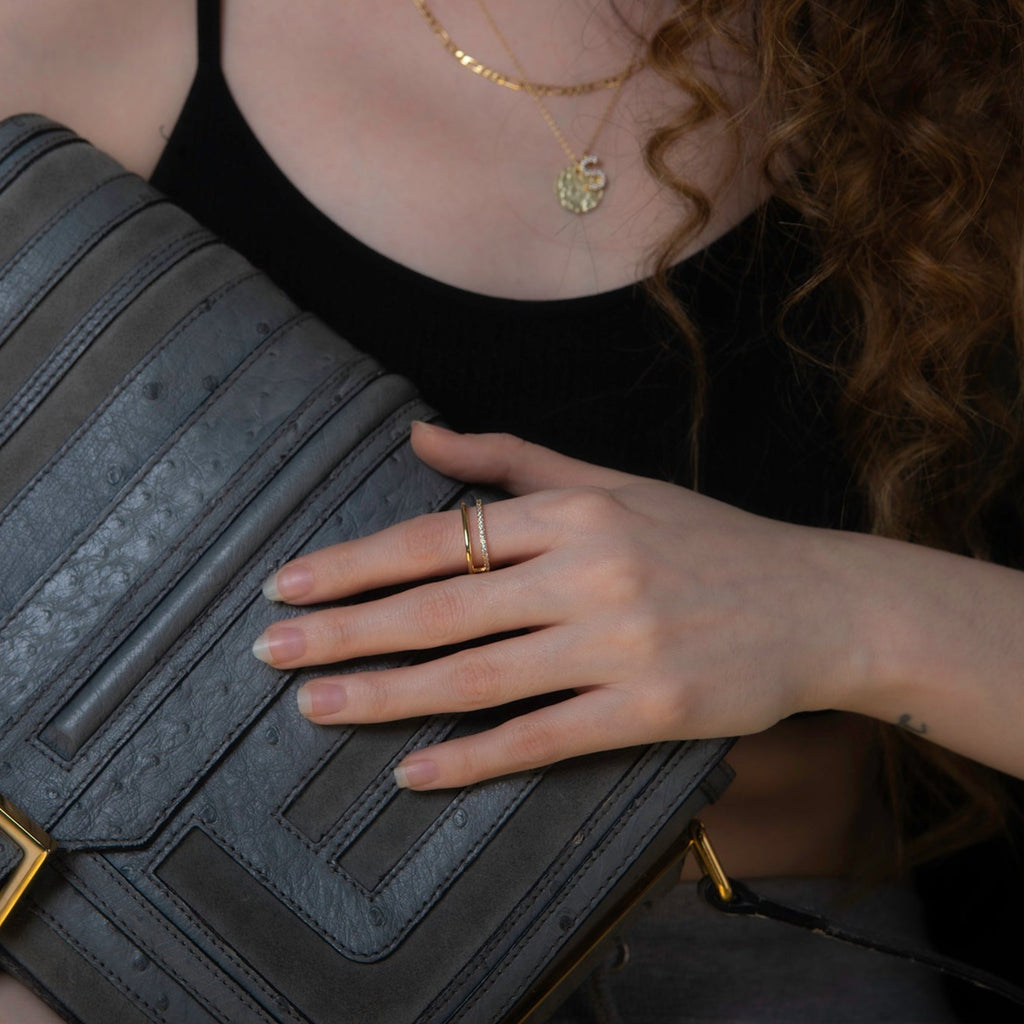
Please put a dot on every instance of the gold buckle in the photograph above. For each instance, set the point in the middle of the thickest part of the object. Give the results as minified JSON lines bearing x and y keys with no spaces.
{"x":35,"y":846}
{"x":708,"y":859}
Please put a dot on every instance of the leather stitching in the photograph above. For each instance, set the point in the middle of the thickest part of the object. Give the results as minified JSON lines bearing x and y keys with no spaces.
{"x":236,"y":595}
{"x":86,"y":330}
{"x":164,"y":927}
{"x":20,"y":130}
{"x":380,"y":792}
{"x":36,"y":149}
{"x":377,"y":793}
{"x":649,"y":793}
{"x":221,"y":509}
{"x":31,"y":297}
{"x":411,"y":916}
{"x":93,"y":656}
{"x":115,"y":979}
{"x":210,"y":937}
{"x":127,"y":382}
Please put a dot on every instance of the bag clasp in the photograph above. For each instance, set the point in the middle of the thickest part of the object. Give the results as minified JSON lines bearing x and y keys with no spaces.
{"x":710,"y":865}
{"x":35,"y":845}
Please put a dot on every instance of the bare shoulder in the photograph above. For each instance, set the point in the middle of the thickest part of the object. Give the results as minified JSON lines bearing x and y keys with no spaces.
{"x":117,"y":71}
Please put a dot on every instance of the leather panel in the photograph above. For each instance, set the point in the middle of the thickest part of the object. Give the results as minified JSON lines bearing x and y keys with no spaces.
{"x":194,"y":494}
{"x":113,"y":971}
{"x":118,"y":435}
{"x":96,"y":319}
{"x":208,"y":687}
{"x":117,"y":256}
{"x":171,"y":609}
{"x":22,"y":138}
{"x":155,"y":512}
{"x":323,"y":800}
{"x":43,"y":260}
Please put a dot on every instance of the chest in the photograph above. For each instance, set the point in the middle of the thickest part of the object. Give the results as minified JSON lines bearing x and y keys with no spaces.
{"x":495,"y":330}
{"x":452,"y":175}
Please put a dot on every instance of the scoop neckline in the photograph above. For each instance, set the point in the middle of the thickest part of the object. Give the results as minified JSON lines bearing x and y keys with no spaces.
{"x":317,"y":220}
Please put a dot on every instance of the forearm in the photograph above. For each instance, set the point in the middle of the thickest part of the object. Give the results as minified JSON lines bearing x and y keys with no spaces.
{"x":938,"y":648}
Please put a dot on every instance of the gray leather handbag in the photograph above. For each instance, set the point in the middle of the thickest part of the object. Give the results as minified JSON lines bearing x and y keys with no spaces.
{"x":172,"y":428}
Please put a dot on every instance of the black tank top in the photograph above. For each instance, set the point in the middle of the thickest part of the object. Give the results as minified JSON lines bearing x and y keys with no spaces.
{"x":602,"y":377}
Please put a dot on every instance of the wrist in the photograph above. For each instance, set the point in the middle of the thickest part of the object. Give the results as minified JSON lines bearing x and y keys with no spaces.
{"x":938,"y":650}
{"x":881,"y":653}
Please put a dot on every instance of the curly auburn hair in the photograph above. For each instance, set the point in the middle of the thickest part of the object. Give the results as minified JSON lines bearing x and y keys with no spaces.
{"x":895,"y":128}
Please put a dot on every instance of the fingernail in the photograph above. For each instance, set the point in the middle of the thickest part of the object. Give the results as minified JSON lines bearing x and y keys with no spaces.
{"x":289,"y":583}
{"x":321,"y":698}
{"x":411,"y":774}
{"x":424,"y":425}
{"x":278,"y":644}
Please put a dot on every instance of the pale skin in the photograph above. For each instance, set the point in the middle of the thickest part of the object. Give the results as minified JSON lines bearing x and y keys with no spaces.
{"x":669,"y":614}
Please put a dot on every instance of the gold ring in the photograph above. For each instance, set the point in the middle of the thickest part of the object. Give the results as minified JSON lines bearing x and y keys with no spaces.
{"x":485,"y":564}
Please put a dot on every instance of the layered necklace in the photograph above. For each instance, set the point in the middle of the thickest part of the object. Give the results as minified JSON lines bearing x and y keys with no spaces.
{"x":581,"y":185}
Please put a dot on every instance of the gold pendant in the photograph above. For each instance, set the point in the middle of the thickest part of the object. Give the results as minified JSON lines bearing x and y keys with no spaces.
{"x":580,"y":187}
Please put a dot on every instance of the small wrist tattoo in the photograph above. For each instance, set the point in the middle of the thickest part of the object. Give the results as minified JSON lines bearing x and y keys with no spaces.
{"x":906,"y":721}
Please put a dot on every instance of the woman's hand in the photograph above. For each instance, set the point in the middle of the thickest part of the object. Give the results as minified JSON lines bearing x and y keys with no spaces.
{"x":670,"y":615}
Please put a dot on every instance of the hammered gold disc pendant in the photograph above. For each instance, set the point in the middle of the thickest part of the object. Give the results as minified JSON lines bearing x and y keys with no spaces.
{"x":580,"y":187}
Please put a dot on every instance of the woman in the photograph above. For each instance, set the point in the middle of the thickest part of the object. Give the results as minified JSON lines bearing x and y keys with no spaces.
{"x":670,"y":613}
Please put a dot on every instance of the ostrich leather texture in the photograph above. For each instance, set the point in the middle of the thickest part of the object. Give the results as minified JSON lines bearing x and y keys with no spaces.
{"x":172,"y":428}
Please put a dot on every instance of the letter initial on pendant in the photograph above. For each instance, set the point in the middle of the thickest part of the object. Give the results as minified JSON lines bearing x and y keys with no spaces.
{"x":580,"y":187}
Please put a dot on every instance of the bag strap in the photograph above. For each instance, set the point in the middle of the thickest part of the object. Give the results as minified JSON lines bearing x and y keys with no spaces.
{"x":732,"y":897}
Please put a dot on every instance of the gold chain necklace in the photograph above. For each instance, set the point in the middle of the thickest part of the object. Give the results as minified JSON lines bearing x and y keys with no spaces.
{"x":580,"y":186}
{"x":520,"y":84}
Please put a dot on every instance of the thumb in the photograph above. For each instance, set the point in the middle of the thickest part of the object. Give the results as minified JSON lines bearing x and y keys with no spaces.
{"x":508,"y":462}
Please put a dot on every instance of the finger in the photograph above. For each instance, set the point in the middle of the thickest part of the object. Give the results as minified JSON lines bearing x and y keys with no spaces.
{"x":427,"y":546}
{"x":433,"y":615}
{"x":583,"y":724}
{"x":511,"y":463}
{"x":487,"y":676}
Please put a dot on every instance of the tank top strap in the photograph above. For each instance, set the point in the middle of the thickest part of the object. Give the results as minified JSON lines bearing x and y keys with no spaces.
{"x":208,"y":16}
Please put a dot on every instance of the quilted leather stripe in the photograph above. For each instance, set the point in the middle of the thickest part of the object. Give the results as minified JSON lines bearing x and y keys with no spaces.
{"x":53,"y":250}
{"x":81,"y":931}
{"x":111,"y":447}
{"x":165,"y":507}
{"x":35,"y":390}
{"x":171,"y":598}
{"x":208,"y":686}
{"x":16,"y":131}
{"x":26,"y":138}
